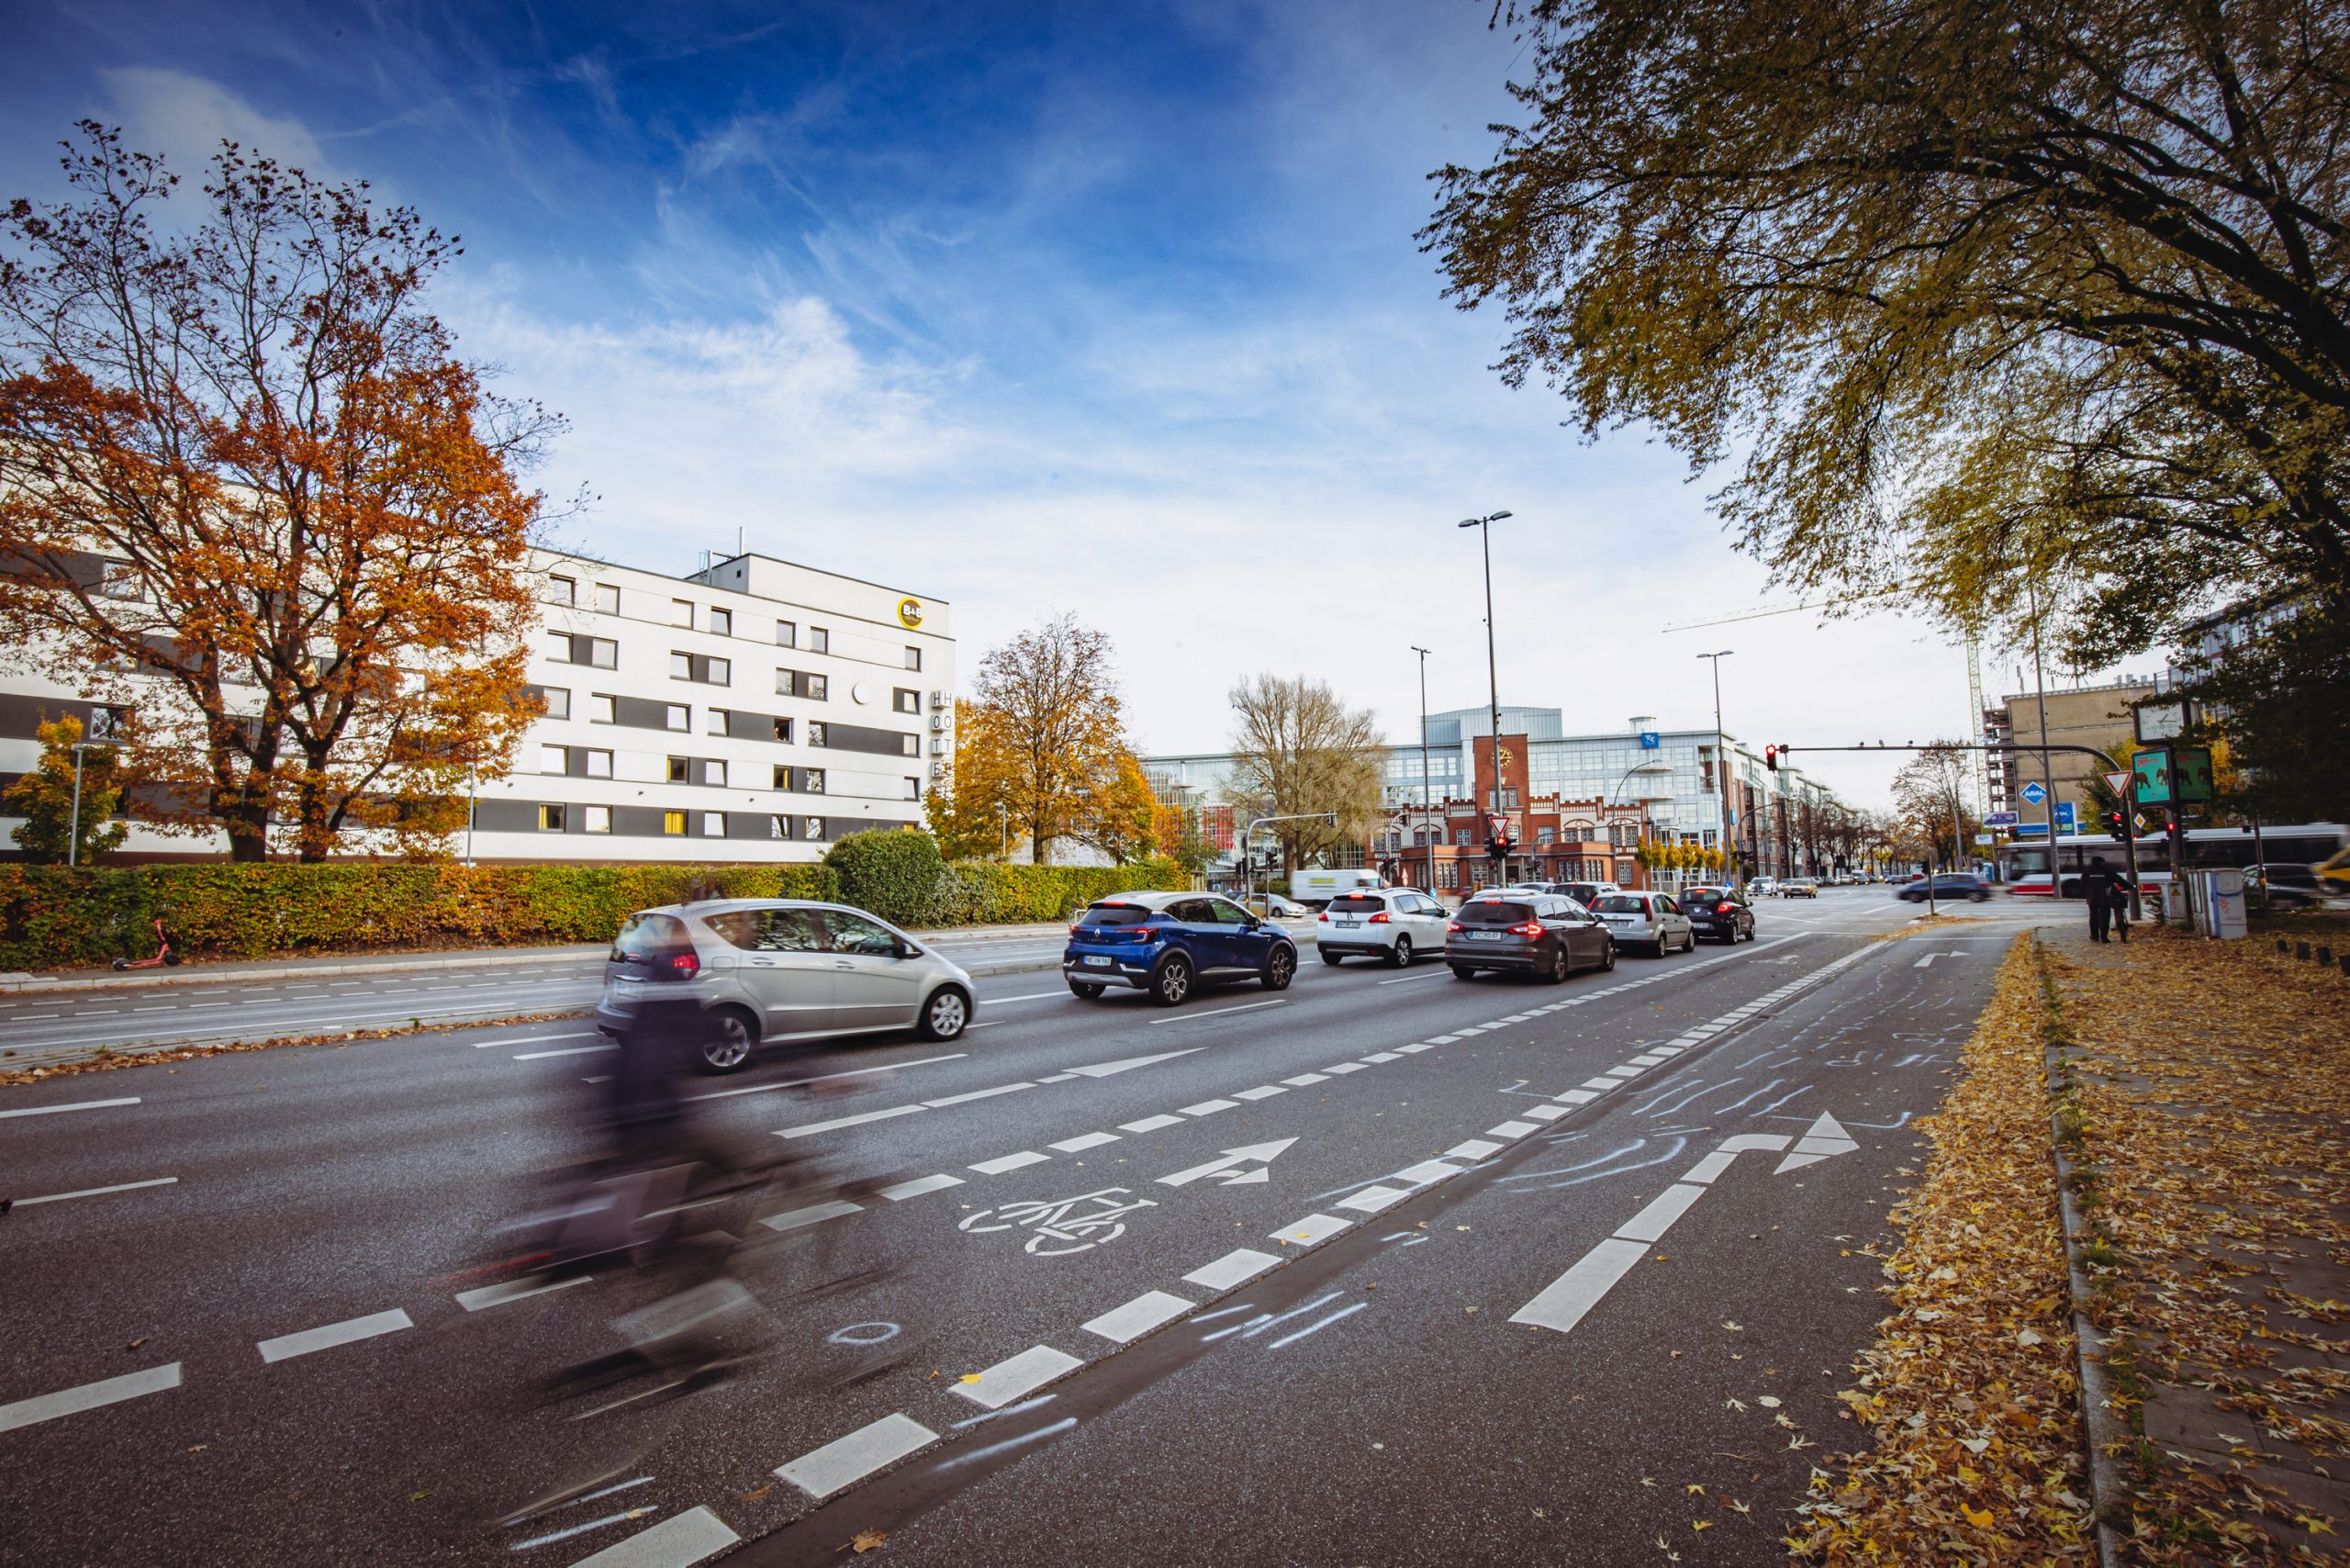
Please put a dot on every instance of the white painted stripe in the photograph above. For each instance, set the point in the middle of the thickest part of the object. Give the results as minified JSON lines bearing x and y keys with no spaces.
{"x":1601,"y":1085}
{"x":285,"y":1347}
{"x":1019,"y":1376}
{"x":1009,"y":1162}
{"x":1262,"y":1091}
{"x":814,"y":1127}
{"x":88,"y":1396}
{"x":1513,"y":1130}
{"x":1207,"y":1107}
{"x":513,"y":1290}
{"x":1413,"y":1050}
{"x":76,"y":1106}
{"x":1317,"y":1325}
{"x":828,"y":1077}
{"x":918,"y":1186}
{"x":536,"y":1039}
{"x":1442,"y":1039}
{"x":1563,"y":1302}
{"x":1031,"y":996}
{"x":1581,"y":1096}
{"x":690,"y":1538}
{"x":1476,"y":1147}
{"x":978,"y":1094}
{"x":1054,"y":1077}
{"x":814,"y":1214}
{"x":1193,"y":1017}
{"x":1079,"y":1145}
{"x":1544,"y":1113}
{"x":1233,"y":1268}
{"x":1652,"y":1222}
{"x":97,"y":1191}
{"x":1311,"y":1230}
{"x":1712,"y":1165}
{"x":566,"y":1052}
{"x":1344,"y":1067}
{"x":821,"y":1471}
{"x":1629,"y":1070}
{"x":1373,"y":1198}
{"x":1427,"y":1170}
{"x":1380,"y":1056}
{"x":1303,"y":1078}
{"x":1150,"y":1123}
{"x":1651,"y":1059}
{"x":1138,"y":1317}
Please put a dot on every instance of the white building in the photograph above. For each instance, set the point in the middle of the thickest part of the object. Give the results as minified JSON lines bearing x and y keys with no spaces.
{"x":752,"y":710}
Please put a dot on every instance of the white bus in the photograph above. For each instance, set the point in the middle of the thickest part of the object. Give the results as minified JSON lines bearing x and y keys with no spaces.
{"x":2023,"y":863}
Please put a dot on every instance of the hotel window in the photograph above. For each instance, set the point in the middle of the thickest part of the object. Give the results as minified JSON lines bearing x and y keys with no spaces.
{"x":913,"y":789}
{"x":721,"y":621}
{"x":782,"y":777}
{"x":681,"y":666}
{"x":816,"y":735}
{"x":560,"y":590}
{"x":913,"y":658}
{"x":905,"y":701}
{"x":811,"y":827}
{"x":778,"y":827}
{"x":681,"y":612}
{"x":555,"y":700}
{"x":787,"y":635}
{"x":554,"y":759}
{"x":713,"y":771}
{"x":718,"y":672}
{"x":550,"y":819}
{"x":603,"y":652}
{"x":816,"y":688}
{"x":673,"y":823}
{"x":608,"y":598}
{"x":122,"y":579}
{"x":681,"y":770}
{"x":713,"y":824}
{"x":820,"y":641}
{"x":599,"y":763}
{"x":600,"y":709}
{"x":716,"y":720}
{"x":815,"y":784}
{"x":783,"y":731}
{"x":912,"y":745}
{"x":677,"y":716}
{"x":596,"y":819}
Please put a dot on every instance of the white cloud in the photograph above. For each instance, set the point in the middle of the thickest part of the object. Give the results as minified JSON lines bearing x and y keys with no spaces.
{"x":186,"y":118}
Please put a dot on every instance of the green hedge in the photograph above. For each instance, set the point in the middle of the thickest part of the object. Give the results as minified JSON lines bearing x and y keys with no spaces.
{"x":51,"y":917}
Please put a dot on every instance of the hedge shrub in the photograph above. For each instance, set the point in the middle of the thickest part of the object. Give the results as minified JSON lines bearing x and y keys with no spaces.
{"x":51,"y":917}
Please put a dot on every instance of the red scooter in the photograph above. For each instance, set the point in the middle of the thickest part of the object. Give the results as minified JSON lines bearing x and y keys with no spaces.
{"x":166,"y":955}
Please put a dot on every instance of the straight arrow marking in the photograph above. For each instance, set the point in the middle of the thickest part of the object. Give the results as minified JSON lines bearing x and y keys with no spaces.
{"x":1266,"y":1152}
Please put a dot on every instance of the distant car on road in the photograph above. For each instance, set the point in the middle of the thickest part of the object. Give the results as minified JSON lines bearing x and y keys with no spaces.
{"x":1542,"y":934}
{"x":1171,"y":944}
{"x":1390,"y":924}
{"x":1763,"y":887}
{"x":1950,"y":885}
{"x":1273,"y":906}
{"x":1799,"y":887}
{"x":1317,"y":885}
{"x":775,"y":969}
{"x":1646,"y":920}
{"x":1718,"y":913}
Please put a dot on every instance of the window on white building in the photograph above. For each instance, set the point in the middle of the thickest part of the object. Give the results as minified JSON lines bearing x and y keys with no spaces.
{"x":556,"y":700}
{"x":550,"y":819}
{"x":608,"y":598}
{"x":681,"y":612}
{"x":600,"y":709}
{"x":787,"y":635}
{"x":560,"y":590}
{"x":713,"y":824}
{"x":913,"y":658}
{"x":714,"y":721}
{"x":713,"y":771}
{"x":721,"y":621}
{"x":554,"y":759}
{"x":598,"y":764}
{"x":820,"y":641}
{"x":677,"y":716}
{"x":596,"y":819}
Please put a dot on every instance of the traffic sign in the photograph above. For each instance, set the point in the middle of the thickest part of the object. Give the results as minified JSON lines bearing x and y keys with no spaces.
{"x":2066,"y":821}
{"x":2118,"y":782}
{"x":2031,"y":829}
{"x":1986,"y":838}
{"x":2034,"y":793}
{"x":2001,"y":819}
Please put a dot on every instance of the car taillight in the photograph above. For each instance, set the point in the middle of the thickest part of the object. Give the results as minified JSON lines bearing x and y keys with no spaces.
{"x":1324,"y":917}
{"x":1451,"y":926}
{"x":1531,"y":928}
{"x":1075,"y":929}
{"x":685,"y":966}
{"x":1721,"y":909}
{"x":1380,"y":919}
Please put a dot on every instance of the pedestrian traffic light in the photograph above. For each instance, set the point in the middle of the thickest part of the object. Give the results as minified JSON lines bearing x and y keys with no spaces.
{"x":1771,"y":758}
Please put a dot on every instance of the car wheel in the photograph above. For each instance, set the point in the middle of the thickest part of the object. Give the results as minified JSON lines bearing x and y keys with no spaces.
{"x":1559,"y":968}
{"x":1399,"y":956}
{"x":1329,"y":957}
{"x":1086,"y":990}
{"x":1281,"y":967}
{"x":1607,"y":957}
{"x":727,"y":1047}
{"x":1462,"y":971}
{"x":1173,"y":983}
{"x":946,"y":1015}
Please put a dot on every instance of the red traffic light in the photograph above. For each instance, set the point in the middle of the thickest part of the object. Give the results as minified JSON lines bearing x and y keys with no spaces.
{"x":1771,"y":758}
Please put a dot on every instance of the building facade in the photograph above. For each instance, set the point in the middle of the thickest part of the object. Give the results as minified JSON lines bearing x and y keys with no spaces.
{"x":2098,"y":716}
{"x":753,"y":709}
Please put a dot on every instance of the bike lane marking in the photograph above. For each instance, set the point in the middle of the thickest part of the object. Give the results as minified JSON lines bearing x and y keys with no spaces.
{"x":692,"y":1536}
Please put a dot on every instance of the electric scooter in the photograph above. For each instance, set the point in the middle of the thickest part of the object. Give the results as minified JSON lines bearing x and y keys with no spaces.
{"x":166,"y":955}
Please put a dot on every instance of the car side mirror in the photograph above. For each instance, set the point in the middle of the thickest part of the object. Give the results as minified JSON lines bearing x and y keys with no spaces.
{"x":908,"y":951}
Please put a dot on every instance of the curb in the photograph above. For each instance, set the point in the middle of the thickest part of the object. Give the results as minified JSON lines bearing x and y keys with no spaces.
{"x":17,"y":983}
{"x":2103,"y":1431}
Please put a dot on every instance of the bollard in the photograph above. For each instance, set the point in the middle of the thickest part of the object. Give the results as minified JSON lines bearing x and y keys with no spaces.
{"x":2300,"y":949}
{"x":2325,"y":956}
{"x":2283,"y":946}
{"x":2345,"y":963}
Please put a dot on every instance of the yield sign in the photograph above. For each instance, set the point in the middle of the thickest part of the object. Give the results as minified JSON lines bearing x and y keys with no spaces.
{"x":2118,"y":782}
{"x":1227,"y":1169}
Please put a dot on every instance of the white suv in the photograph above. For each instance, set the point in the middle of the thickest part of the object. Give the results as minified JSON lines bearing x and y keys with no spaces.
{"x":1393,"y":923}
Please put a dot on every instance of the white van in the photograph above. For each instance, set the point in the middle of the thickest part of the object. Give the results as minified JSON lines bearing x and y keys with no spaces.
{"x":1318,"y":886}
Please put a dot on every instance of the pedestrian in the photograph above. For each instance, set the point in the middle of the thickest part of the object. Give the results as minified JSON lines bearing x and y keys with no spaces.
{"x":2096,"y":886}
{"x":2124,"y":894}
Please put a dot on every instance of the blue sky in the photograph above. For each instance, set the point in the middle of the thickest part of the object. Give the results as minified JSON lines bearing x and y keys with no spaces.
{"x":1110,"y":308}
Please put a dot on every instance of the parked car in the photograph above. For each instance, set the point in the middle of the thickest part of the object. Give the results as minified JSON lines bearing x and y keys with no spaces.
{"x":1646,"y":920}
{"x":1389,"y":924}
{"x":775,"y":969}
{"x":1316,"y":886}
{"x":1273,"y":906}
{"x":1950,"y":886}
{"x":1543,"y":935}
{"x":1171,"y":944}
{"x":1718,"y":913}
{"x":1799,"y":887}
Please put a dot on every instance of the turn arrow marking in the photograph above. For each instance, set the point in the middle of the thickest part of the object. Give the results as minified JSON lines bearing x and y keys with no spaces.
{"x":1564,"y":1301}
{"x":1222,"y":1170}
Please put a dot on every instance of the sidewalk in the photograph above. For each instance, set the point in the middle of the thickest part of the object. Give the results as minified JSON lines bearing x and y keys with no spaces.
{"x":2214,"y":1099}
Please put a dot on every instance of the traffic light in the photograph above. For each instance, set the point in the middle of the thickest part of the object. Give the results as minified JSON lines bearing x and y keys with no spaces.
{"x":2113,"y":826}
{"x":1771,"y":758}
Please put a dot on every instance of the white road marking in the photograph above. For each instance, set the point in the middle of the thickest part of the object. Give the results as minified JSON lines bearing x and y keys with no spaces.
{"x":978,"y":1094}
{"x":1221,"y":1012}
{"x":76,"y":1106}
{"x":1303,"y":1078}
{"x":1313,"y":1228}
{"x":1150,"y":1123}
{"x":1126,"y":1324}
{"x":566,"y":1052}
{"x":98,"y":1191}
{"x":1580,"y":1096}
{"x":821,"y":1471}
{"x":1222,"y":1166}
{"x":1428,"y":1170}
{"x":814,"y":1127}
{"x":88,"y":1396}
{"x":1344,"y":1067}
{"x":536,"y":1039}
{"x":513,"y":1290}
{"x":1565,"y":1299}
{"x":1512,"y":1130}
{"x":814,"y":1214}
{"x":1234,"y":1267}
{"x":919,"y":1185}
{"x":285,"y":1347}
{"x":1104,"y":1069}
{"x":1262,"y":1091}
{"x":1079,"y":1144}
{"x":1652,"y":1222}
{"x":828,"y":1077}
{"x":1400,"y":979}
{"x":1381,"y":1056}
{"x":691,"y":1537}
{"x":1373,"y":1198}
{"x":1544,"y":1113}
{"x":1317,"y":1325}
{"x":1031,"y":996}
{"x":1009,"y":1162}
{"x":1019,"y":1376}
{"x":1207,"y":1107}
{"x":1481,"y":1148}
{"x":1599,"y":1084}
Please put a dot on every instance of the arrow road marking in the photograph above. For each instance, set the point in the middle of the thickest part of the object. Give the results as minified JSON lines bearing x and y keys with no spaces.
{"x":1929,"y":957}
{"x":1264,"y":1153}
{"x":1564,"y":1301}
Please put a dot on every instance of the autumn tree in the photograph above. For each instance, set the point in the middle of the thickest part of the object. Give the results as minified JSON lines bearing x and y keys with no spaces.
{"x":247,"y":487}
{"x":1930,"y":792}
{"x":2006,"y":307}
{"x":1180,"y":838}
{"x":970,"y":813}
{"x":56,"y":813}
{"x":1121,"y":812}
{"x":1298,"y":749}
{"x":1048,"y":701}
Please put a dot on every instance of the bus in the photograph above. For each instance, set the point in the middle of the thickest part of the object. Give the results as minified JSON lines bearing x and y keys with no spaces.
{"x":2023,"y":863}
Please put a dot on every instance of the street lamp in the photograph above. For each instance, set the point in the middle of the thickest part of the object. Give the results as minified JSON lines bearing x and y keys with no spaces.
{"x":1484,"y":525}
{"x":1646,"y":768}
{"x":73,"y":821}
{"x":1721,"y":763}
{"x":1428,"y":800}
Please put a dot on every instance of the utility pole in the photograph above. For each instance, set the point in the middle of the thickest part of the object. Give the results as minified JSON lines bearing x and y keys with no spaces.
{"x":1721,"y":763}
{"x":1484,"y":525}
{"x":1428,"y":800}
{"x":2047,"y":769}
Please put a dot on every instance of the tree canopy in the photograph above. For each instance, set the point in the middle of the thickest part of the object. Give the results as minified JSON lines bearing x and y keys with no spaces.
{"x":1987,"y":296}
{"x":64,"y":823}
{"x":1298,"y":748}
{"x":1044,"y":738}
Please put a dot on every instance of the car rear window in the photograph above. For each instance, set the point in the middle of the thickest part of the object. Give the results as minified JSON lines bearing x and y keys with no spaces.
{"x":1623,"y":904}
{"x":1115,"y":914}
{"x":1355,"y":903}
{"x":1495,"y":911}
{"x":647,"y":937}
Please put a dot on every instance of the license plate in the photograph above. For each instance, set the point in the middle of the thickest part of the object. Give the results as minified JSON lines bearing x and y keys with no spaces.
{"x":1487,"y":935}
{"x":1617,"y":919}
{"x":1349,"y":924}
{"x":1097,"y":961}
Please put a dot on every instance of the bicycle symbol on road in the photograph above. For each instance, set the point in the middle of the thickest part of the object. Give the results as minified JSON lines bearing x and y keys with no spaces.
{"x":1067,"y":1225}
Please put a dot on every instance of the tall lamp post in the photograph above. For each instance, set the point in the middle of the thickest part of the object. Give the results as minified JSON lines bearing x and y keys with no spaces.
{"x":74,"y":823}
{"x":1721,"y":763}
{"x":1646,"y":768}
{"x":1426,"y":798}
{"x":1484,"y":525}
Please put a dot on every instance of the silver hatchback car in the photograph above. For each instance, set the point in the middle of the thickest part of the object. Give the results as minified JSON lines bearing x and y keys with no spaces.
{"x":777,"y":969}
{"x":1646,"y":920}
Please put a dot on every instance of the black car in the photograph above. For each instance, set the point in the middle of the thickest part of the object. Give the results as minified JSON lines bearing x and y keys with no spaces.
{"x":1950,"y":886}
{"x":1719,"y":914}
{"x":1540,"y":934}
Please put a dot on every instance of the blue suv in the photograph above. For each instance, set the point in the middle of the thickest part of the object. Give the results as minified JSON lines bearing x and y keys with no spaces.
{"x":1169,"y":943}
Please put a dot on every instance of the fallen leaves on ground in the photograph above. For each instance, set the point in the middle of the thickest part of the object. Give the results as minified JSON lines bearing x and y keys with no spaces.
{"x":867,"y":1541}
{"x":1944,"y":1370}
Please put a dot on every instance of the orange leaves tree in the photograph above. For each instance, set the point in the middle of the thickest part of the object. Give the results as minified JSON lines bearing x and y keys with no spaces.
{"x":1048,"y":724}
{"x":249,"y":490}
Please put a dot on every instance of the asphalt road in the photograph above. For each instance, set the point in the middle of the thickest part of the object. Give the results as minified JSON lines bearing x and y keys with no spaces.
{"x":1541,"y":1300}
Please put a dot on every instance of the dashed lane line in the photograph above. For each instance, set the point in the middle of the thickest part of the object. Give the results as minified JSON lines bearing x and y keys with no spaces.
{"x":97,"y":1191}
{"x":76,"y":1106}
{"x":88,"y":1396}
{"x":690,"y":1538}
{"x":327,"y":1336}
